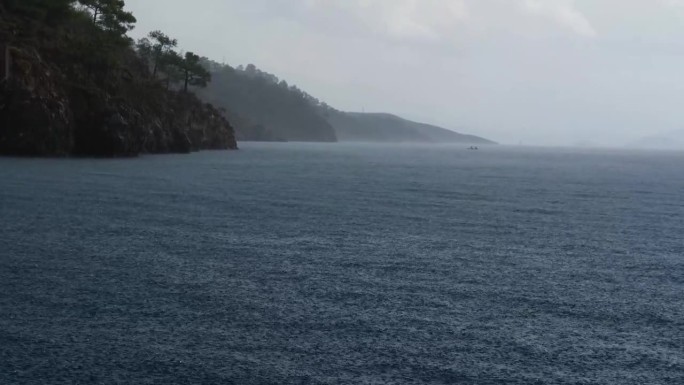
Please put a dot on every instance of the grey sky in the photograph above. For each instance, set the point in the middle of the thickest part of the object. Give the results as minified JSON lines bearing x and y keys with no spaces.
{"x":532,"y":71}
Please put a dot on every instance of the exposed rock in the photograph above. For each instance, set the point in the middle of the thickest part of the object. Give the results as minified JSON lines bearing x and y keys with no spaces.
{"x":35,"y":118}
{"x":43,"y":115}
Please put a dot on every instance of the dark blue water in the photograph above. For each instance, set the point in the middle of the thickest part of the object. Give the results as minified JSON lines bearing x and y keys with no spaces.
{"x":337,"y":264}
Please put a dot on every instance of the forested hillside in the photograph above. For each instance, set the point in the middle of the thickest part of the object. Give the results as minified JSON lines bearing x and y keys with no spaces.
{"x":376,"y":127}
{"x":265,"y":107}
{"x":74,"y":83}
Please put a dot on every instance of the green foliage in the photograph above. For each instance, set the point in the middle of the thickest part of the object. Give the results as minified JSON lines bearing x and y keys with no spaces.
{"x":262,"y":99}
{"x":86,"y":40}
{"x":171,"y":67}
{"x":157,"y":49}
{"x":194,"y":73}
{"x":48,"y":11}
{"x":162,"y":41}
{"x":81,"y":72}
{"x":110,"y":15}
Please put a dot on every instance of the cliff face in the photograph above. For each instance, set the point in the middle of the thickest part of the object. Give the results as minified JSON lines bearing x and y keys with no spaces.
{"x":35,"y":116}
{"x":176,"y":123}
{"x":42,"y":114}
{"x":53,"y":102}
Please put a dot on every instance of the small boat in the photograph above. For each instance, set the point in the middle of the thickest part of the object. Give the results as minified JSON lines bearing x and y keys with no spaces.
{"x":473,"y":148}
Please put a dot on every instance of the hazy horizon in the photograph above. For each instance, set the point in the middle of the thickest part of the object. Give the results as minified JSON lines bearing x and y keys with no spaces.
{"x":556,"y":72}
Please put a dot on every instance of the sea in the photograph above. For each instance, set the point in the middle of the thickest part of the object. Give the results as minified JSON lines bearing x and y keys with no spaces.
{"x":294,"y":263}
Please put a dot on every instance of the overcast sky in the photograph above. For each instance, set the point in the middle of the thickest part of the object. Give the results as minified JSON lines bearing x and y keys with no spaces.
{"x":557,"y":72}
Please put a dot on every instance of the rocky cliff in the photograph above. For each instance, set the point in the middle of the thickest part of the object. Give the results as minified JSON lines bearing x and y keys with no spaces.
{"x":42,"y":114}
{"x":54,"y":103}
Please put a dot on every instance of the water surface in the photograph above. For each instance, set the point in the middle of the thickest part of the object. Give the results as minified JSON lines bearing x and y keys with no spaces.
{"x":344,"y":264}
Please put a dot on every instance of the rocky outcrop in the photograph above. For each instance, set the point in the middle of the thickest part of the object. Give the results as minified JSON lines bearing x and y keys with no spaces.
{"x":35,"y":118}
{"x":42,"y":114}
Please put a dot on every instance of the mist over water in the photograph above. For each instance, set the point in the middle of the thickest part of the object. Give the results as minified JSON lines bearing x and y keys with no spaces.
{"x":331,"y":264}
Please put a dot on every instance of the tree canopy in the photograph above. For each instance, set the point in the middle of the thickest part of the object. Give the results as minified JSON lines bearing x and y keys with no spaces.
{"x":96,"y":41}
{"x":270,"y":109}
{"x":188,"y":69}
{"x":110,"y":14}
{"x":157,"y":49}
{"x":194,"y":73}
{"x":47,"y":11}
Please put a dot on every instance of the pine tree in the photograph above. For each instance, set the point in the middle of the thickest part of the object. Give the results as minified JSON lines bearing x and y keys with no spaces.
{"x":157,"y":48}
{"x":194,"y":74}
{"x":110,"y":15}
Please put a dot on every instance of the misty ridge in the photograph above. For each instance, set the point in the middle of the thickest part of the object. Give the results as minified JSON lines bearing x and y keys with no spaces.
{"x":557,"y":73}
{"x":265,"y":108}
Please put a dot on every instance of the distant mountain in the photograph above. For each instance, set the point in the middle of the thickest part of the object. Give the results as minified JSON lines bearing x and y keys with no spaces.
{"x":262,"y":108}
{"x":380,"y":127}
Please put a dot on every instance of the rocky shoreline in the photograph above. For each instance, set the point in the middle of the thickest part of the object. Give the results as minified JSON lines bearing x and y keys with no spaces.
{"x":58,"y":98}
{"x":43,"y":115}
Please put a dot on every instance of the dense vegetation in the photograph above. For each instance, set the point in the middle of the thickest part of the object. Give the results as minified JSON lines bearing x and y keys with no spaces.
{"x":78,"y":84}
{"x":264,"y":107}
